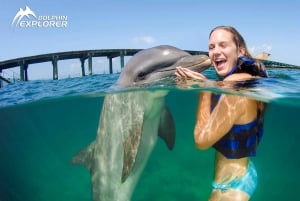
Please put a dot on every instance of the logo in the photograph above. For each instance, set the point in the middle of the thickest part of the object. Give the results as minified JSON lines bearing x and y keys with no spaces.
{"x":26,"y":18}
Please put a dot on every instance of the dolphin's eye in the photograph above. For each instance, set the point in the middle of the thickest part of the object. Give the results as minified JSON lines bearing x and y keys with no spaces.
{"x":141,"y":76}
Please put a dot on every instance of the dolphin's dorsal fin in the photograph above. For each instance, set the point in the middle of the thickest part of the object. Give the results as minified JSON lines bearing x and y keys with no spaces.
{"x":84,"y":156}
{"x":166,"y":129}
{"x":131,"y":146}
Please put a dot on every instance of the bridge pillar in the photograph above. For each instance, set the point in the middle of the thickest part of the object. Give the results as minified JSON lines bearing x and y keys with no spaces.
{"x":110,"y":65}
{"x":90,"y":64}
{"x":82,"y":66}
{"x":26,"y":72}
{"x":23,"y":70}
{"x":55,"y":70}
{"x":122,"y":59}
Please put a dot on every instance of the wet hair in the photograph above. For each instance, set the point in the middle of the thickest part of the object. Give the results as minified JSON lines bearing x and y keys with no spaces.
{"x":251,"y":65}
{"x":237,"y":38}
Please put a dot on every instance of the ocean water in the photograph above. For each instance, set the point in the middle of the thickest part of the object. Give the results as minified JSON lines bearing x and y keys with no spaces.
{"x":43,"y":124}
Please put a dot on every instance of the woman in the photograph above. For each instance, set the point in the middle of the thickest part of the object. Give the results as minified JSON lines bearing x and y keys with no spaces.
{"x":231,"y":124}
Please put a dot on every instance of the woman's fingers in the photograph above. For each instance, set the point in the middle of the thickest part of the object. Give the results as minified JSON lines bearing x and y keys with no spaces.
{"x":180,"y":73}
{"x":188,"y":74}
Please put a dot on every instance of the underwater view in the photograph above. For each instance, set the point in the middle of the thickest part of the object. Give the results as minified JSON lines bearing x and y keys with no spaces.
{"x":45,"y":123}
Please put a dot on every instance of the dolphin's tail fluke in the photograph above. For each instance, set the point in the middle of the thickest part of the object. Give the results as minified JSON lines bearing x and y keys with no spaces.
{"x":84,"y":156}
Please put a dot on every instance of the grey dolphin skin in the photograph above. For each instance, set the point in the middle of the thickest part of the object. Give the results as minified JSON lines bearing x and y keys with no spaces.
{"x":131,"y":121}
{"x":158,"y":62}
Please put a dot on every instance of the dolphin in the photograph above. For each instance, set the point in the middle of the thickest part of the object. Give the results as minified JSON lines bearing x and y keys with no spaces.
{"x":131,"y":121}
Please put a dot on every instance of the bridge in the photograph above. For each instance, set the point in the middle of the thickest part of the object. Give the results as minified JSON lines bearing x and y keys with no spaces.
{"x":84,"y":55}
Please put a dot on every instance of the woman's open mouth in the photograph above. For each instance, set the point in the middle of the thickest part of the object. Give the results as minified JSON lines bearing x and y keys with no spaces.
{"x":220,"y":63}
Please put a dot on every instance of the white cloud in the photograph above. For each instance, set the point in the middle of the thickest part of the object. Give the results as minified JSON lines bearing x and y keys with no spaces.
{"x":143,"y":39}
{"x":260,"y":48}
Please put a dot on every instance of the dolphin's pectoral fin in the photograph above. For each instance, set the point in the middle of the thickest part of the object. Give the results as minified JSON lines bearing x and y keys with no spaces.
{"x":166,"y":129}
{"x":84,"y":156}
{"x":131,"y":146}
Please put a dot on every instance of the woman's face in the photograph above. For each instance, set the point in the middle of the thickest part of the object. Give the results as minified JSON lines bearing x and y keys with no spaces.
{"x":223,"y":52}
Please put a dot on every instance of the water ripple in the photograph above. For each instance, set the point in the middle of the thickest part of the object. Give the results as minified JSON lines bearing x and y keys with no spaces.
{"x":283,"y":83}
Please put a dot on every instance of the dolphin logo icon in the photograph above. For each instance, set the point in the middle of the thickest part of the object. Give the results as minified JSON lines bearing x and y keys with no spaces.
{"x":21,"y":13}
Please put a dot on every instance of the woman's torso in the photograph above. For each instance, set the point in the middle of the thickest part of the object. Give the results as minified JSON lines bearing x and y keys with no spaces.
{"x":230,"y":169}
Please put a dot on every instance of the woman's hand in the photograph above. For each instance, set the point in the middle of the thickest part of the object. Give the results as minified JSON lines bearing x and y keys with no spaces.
{"x":186,"y":74}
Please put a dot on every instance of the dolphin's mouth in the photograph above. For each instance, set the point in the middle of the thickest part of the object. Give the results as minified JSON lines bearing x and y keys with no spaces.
{"x":194,"y":66}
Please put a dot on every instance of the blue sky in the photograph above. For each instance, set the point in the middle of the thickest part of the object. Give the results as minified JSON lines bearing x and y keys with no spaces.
{"x":271,"y":27}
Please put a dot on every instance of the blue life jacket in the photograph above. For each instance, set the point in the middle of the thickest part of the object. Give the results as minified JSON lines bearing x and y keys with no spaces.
{"x":250,"y":66}
{"x":242,"y":140}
